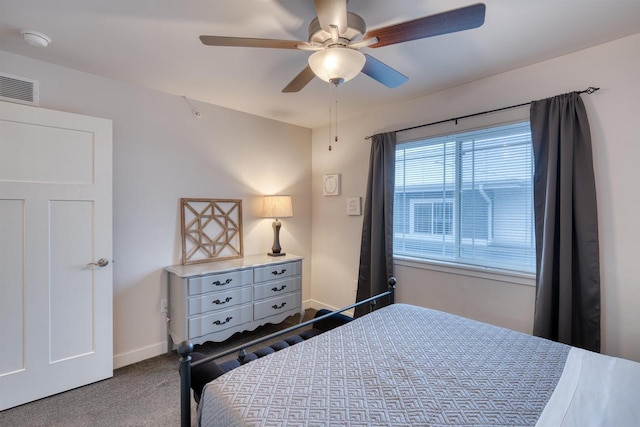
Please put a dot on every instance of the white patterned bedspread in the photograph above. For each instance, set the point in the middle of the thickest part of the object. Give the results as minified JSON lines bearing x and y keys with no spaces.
{"x":398,"y":366}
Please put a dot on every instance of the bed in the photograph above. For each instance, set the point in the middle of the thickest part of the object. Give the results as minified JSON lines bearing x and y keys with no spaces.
{"x":403,"y":365}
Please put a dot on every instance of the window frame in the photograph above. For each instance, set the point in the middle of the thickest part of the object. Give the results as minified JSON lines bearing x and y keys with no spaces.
{"x":502,"y":118}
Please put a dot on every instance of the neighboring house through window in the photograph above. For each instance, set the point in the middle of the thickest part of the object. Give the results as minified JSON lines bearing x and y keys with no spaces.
{"x":431,"y":217}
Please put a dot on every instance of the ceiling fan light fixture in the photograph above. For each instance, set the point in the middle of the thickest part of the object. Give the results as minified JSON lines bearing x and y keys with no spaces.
{"x":337,"y":64}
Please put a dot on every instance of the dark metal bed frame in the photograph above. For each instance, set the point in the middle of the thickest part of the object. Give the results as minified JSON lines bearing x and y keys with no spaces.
{"x":185,"y":349}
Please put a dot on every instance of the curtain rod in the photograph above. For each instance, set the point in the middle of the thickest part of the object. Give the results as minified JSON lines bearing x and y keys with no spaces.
{"x":588,"y":90}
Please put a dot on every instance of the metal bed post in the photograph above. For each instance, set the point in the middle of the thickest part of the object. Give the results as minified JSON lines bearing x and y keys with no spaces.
{"x":392,"y":289}
{"x":391,"y":282}
{"x":184,"y":350}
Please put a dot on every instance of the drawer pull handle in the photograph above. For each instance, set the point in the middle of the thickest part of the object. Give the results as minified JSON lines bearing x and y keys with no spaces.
{"x":274,"y":289}
{"x":276,"y":307}
{"x":226,"y":300}
{"x":219,"y":283}
{"x":275,"y":272}
{"x":217,"y":322}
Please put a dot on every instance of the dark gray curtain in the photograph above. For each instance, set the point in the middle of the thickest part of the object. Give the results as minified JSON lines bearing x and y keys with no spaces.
{"x":567,"y":305}
{"x":376,"y":251}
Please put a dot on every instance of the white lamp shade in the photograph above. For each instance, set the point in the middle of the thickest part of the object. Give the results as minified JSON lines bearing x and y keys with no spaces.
{"x":337,"y":64}
{"x":277,"y":207}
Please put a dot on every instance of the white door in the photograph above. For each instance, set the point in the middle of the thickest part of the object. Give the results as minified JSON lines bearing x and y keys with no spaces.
{"x":56,"y":311}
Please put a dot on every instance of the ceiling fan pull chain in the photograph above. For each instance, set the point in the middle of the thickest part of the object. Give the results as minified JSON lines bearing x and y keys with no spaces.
{"x":330,"y":118}
{"x":336,"y":138}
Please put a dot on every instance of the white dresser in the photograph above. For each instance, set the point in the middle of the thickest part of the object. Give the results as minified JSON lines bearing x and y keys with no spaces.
{"x":212,"y":301}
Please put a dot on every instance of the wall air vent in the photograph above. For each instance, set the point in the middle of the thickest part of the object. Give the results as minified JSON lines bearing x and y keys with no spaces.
{"x":19,"y":89}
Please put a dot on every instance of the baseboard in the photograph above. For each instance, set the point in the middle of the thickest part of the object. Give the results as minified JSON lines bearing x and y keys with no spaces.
{"x":316,"y":305}
{"x":139,"y":355}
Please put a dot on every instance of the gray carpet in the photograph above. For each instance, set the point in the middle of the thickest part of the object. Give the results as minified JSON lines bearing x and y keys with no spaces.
{"x":142,"y":394}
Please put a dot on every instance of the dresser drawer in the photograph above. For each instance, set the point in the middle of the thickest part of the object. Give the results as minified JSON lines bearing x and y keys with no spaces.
{"x":272,"y":306}
{"x":220,"y":281}
{"x":278,"y":271}
{"x":220,"y":320}
{"x":219,"y":300}
{"x":277,"y":288}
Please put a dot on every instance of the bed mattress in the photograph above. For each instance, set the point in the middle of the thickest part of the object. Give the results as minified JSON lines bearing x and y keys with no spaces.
{"x":402,"y":366}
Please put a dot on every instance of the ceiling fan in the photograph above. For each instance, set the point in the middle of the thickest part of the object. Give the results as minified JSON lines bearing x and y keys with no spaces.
{"x":336,"y":36}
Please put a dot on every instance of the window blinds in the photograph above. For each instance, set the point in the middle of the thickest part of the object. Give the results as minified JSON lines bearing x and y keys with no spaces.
{"x":467,"y":198}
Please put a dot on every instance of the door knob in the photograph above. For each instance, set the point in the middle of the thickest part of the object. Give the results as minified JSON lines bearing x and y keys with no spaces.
{"x":102,"y":262}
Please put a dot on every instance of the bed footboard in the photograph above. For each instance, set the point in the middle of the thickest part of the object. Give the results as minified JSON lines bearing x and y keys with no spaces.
{"x":185,"y":349}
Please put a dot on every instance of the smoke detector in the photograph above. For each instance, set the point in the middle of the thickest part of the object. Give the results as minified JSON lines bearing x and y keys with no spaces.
{"x":35,"y":38}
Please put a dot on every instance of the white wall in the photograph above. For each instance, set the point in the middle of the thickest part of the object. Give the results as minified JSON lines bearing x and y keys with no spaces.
{"x":613,"y":114}
{"x":162,"y":153}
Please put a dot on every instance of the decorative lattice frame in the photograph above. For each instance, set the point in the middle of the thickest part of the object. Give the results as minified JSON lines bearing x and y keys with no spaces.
{"x":211,"y":230}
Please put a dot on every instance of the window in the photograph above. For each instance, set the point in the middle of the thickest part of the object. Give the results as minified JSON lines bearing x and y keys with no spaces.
{"x":431,"y":217}
{"x":467,"y":198}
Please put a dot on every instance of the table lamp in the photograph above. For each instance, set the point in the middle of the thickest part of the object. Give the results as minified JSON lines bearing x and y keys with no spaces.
{"x":277,"y":207}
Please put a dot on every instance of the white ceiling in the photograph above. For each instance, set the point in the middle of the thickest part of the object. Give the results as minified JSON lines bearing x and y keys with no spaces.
{"x":154,"y":43}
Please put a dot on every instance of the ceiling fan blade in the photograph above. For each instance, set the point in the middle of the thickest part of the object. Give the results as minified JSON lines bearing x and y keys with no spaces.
{"x":250,"y":42}
{"x":332,"y":12}
{"x":381,"y":72}
{"x":300,"y":81}
{"x":464,"y":18}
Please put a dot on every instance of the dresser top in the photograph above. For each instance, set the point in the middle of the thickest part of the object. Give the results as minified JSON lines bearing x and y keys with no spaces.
{"x":250,"y":261}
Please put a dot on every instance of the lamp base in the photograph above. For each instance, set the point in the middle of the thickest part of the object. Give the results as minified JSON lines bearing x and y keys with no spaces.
{"x":275,"y":249}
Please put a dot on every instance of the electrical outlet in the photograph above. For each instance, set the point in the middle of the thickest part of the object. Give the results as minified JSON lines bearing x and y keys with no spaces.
{"x":163,"y":306}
